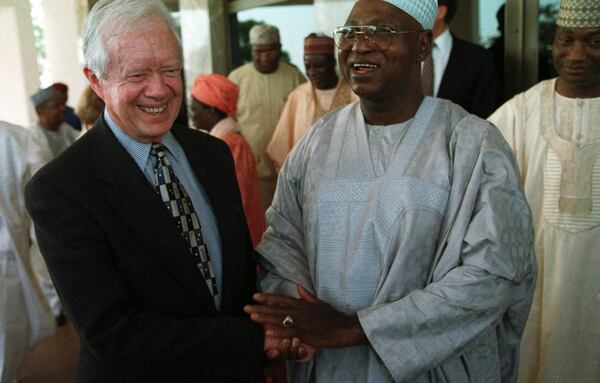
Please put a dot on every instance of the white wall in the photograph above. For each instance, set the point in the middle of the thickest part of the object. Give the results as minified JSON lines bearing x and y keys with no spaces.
{"x":63,"y":24}
{"x":196,"y":38}
{"x":332,"y":13}
{"x":18,"y":66}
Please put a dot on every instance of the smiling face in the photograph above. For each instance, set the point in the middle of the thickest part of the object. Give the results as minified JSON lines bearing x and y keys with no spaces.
{"x":320,"y":69}
{"x":143,"y":87}
{"x":377,"y":75}
{"x":576,"y":56}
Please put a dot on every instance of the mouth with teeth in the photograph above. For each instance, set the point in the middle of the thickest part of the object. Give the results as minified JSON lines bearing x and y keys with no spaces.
{"x":361,"y":68}
{"x":153,"y":110}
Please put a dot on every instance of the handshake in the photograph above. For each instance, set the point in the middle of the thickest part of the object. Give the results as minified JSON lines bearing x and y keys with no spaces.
{"x":296,"y":328}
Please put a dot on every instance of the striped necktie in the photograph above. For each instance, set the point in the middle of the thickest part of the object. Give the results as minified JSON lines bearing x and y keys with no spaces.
{"x":178,"y":202}
{"x":427,"y":76}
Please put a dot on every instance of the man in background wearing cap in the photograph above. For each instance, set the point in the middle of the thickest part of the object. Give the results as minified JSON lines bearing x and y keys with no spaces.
{"x":402,"y":218}
{"x":214,"y":103}
{"x":462,"y":72}
{"x":264,"y":86}
{"x":311,"y":100}
{"x":554,"y":130}
{"x":51,"y":130}
{"x":53,"y":135}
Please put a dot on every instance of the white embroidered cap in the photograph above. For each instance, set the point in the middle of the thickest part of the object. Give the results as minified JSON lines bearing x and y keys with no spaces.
{"x":424,"y":11}
{"x":579,"y":14}
{"x":264,"y":34}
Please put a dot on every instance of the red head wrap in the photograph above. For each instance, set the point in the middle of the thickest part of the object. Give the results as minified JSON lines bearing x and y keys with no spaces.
{"x":216,"y":90}
{"x":318,"y":45}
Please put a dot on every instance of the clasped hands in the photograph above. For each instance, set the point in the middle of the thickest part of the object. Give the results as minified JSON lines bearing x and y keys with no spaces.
{"x":315,"y":324}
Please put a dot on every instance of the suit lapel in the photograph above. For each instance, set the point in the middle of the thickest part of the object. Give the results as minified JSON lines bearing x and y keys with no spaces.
{"x":135,"y":201}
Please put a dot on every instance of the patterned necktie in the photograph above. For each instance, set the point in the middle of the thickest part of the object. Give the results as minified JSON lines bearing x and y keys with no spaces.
{"x":427,"y":76}
{"x":178,"y":202}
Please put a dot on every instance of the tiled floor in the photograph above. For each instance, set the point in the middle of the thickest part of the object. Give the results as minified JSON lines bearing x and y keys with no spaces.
{"x":53,"y":359}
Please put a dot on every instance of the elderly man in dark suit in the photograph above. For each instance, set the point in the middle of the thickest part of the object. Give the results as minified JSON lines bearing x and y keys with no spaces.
{"x":141,"y":221}
{"x":458,"y":70}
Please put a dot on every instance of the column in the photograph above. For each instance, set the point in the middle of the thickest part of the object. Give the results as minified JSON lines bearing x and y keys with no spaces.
{"x":18,"y":66}
{"x":204,"y":39}
{"x":63,"y":23}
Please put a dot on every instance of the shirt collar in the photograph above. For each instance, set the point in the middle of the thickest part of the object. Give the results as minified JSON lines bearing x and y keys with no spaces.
{"x":444,"y":41}
{"x":140,"y":151}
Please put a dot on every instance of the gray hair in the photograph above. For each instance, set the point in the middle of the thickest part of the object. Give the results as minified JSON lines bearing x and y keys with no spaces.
{"x":114,"y":18}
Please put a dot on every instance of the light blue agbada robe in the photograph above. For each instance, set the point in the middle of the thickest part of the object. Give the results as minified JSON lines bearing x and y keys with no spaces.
{"x":434,"y":255}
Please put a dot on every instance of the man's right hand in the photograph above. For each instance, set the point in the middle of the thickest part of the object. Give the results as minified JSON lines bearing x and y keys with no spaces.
{"x":293,"y":349}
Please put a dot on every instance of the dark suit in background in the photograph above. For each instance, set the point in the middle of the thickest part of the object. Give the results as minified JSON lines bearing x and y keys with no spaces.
{"x":126,"y":276}
{"x":469,"y":78}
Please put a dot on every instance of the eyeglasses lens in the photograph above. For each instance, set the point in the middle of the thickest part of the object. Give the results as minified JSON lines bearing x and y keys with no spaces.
{"x":375,"y":38}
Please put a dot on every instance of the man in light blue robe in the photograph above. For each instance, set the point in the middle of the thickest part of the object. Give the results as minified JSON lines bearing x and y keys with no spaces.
{"x":403,"y":219}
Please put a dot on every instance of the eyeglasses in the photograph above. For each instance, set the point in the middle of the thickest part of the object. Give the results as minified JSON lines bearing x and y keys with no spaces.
{"x":377,"y":37}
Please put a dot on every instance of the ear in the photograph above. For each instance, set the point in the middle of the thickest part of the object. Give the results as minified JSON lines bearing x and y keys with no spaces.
{"x":425,"y":43}
{"x":94,"y":81}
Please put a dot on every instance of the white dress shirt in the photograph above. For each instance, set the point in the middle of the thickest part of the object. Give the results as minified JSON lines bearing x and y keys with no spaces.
{"x":442,"y":46}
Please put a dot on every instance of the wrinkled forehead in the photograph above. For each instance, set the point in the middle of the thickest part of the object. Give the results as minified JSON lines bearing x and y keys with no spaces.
{"x":375,"y":12}
{"x":152,"y":28}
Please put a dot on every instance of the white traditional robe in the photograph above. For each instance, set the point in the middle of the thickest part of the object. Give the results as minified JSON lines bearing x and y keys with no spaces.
{"x":52,"y":143}
{"x":24,"y":315}
{"x":557,"y":143}
{"x":430,"y":243}
{"x":56,"y":141}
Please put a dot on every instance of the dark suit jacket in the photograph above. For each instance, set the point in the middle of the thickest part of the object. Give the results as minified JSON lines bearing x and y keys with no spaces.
{"x":469,"y":79}
{"x":126,"y":276}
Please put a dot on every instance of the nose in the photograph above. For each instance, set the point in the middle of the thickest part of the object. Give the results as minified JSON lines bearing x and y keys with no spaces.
{"x":156,"y":87}
{"x":359,"y":44}
{"x":577,"y":51}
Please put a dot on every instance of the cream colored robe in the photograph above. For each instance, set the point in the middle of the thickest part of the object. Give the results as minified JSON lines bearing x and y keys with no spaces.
{"x":304,"y":108}
{"x":262,"y":98}
{"x":557,"y":143}
{"x":432,"y":250}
